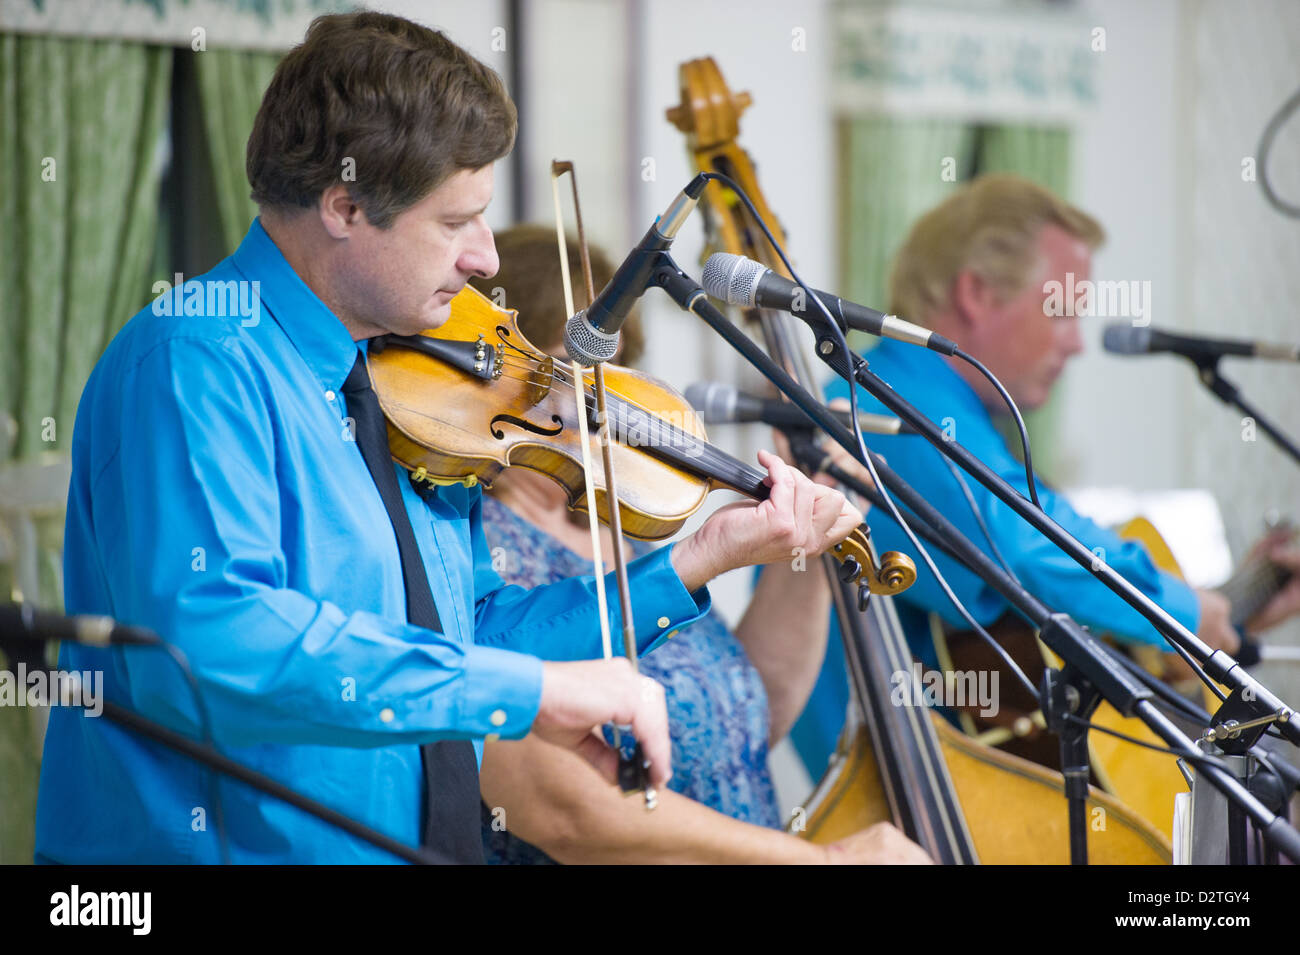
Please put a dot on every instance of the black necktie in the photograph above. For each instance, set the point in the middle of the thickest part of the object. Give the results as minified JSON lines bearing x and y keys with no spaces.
{"x":451,"y":793}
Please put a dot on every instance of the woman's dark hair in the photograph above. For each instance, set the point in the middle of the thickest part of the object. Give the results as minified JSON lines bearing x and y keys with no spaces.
{"x":529,"y":281}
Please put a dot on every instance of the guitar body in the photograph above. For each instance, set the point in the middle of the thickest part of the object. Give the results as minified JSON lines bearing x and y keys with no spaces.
{"x":1142,"y":779}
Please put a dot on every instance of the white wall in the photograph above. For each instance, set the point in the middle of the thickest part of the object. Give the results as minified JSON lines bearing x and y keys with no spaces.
{"x":1122,"y":419}
{"x":473,"y":24}
{"x":1243,"y":271}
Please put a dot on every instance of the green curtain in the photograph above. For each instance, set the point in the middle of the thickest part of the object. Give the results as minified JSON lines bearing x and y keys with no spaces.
{"x":231,"y":84}
{"x":81,"y":126}
{"x":1039,"y":153}
{"x":81,"y":123}
{"x":894,"y":170}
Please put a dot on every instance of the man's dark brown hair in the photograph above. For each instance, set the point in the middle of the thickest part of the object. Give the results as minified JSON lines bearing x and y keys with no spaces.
{"x":531,"y":282}
{"x":407,"y":106}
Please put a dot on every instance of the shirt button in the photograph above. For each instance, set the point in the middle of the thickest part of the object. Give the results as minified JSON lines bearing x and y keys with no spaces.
{"x":663,"y":622}
{"x":497,"y":718}
{"x":330,"y":396}
{"x":386,"y":715}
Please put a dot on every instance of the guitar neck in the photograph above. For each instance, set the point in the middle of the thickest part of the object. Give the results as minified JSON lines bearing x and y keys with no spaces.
{"x":1252,"y":587}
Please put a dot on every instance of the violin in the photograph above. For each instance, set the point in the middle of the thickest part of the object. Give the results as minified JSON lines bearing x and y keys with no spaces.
{"x":474,"y":396}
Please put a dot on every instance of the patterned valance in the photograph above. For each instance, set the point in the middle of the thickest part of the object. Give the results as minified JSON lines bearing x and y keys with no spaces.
{"x":199,"y":24}
{"x":993,"y":62}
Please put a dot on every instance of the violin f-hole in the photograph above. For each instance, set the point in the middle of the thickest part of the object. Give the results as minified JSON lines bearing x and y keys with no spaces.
{"x":526,"y":425}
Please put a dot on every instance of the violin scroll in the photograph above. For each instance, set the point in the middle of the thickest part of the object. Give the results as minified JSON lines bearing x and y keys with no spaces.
{"x":893,"y":574}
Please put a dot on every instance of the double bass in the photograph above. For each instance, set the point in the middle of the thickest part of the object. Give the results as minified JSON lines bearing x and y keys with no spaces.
{"x":961,"y":801}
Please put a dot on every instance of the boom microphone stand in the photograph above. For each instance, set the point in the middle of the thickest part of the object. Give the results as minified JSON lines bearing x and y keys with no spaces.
{"x":213,"y":758}
{"x":1229,"y":394}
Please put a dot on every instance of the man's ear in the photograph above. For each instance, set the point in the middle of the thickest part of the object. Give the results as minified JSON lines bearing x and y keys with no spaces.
{"x":974,"y":299}
{"x":339,"y":214}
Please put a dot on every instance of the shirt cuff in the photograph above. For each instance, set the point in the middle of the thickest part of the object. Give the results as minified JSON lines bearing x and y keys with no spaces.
{"x":502,"y":693}
{"x":1176,"y":599}
{"x":661,"y":604}
{"x":1180,"y":602}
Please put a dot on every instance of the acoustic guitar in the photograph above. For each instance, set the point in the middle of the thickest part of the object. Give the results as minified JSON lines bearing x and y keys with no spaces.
{"x":1141,"y":778}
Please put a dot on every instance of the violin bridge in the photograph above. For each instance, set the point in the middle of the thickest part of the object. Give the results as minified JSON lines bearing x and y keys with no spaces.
{"x":539,"y":381}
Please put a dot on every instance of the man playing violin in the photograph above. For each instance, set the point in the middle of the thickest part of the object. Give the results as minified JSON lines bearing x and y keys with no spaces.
{"x":347,"y":631}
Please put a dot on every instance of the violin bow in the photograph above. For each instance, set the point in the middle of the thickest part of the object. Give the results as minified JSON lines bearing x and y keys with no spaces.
{"x":633,"y":773}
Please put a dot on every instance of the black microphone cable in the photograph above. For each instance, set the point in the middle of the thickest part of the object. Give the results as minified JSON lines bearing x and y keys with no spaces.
{"x":1266,"y":146}
{"x":205,"y":729}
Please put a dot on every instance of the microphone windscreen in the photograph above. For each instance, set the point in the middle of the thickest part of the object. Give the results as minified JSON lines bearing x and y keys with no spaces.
{"x":732,"y":278}
{"x":587,"y":345}
{"x":1122,"y":339}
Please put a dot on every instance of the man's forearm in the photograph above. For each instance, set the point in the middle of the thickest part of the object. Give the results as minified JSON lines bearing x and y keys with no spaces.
{"x":561,"y":621}
{"x":784,"y":633}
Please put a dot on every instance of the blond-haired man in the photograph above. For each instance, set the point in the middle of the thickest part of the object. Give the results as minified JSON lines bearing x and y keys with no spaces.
{"x":977,"y":269}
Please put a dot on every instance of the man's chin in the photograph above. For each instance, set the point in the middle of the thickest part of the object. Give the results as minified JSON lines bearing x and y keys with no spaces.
{"x":434,"y":318}
{"x":1038,"y":397}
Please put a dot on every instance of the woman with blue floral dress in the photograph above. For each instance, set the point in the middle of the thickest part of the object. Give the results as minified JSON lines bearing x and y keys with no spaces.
{"x":730,"y":695}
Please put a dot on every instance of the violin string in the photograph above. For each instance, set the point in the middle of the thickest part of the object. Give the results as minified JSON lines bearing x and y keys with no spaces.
{"x":563,"y":376}
{"x":707,"y":453}
{"x":654,"y":419}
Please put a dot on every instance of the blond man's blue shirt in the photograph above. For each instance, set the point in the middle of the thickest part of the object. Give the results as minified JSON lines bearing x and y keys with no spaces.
{"x":927,"y":380}
{"x":219,"y":499}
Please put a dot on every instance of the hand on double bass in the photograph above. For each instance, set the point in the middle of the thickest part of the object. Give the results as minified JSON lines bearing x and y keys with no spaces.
{"x":881,"y":844}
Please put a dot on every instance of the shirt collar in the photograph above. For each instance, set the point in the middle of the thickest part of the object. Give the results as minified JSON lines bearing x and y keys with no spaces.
{"x":920,"y":365}
{"x":315,"y":332}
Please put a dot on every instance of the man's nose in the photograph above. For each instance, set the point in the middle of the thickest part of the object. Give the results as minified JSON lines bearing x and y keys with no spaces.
{"x":480,"y":255}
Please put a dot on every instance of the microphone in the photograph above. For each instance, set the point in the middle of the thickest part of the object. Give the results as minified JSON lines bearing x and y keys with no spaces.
{"x":23,"y":622}
{"x":1122,"y":339}
{"x":722,"y":404}
{"x":741,"y":281}
{"x":591,"y":335}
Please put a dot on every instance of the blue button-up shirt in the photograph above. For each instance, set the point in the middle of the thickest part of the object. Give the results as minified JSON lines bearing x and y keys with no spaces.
{"x":219,"y":499}
{"x":926,"y":380}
